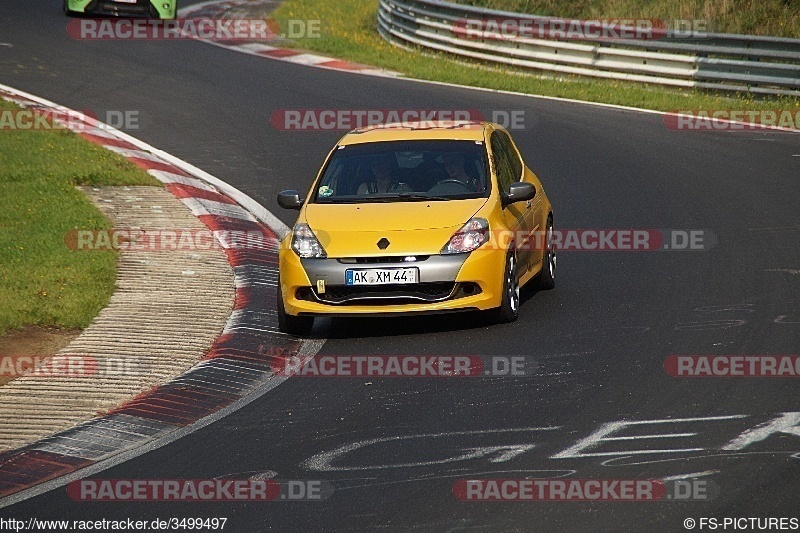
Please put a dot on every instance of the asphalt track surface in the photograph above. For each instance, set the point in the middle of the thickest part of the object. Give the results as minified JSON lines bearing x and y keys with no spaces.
{"x":600,"y":338}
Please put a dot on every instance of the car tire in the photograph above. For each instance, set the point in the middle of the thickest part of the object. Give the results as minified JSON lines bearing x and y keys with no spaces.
{"x":293,"y":325}
{"x":547,"y":278}
{"x":509,"y":304}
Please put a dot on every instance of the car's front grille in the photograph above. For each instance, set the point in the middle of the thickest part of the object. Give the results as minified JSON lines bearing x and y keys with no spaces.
{"x":383,"y":259}
{"x":389,"y":294}
{"x":141,"y":8}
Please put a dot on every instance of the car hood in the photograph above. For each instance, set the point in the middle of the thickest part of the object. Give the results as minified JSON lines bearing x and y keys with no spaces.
{"x":347,"y":230}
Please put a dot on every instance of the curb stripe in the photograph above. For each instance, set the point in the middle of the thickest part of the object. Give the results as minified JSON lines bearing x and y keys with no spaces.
{"x":148,"y":165}
{"x":281,"y":52}
{"x":180,"y":190}
{"x":105,"y":142}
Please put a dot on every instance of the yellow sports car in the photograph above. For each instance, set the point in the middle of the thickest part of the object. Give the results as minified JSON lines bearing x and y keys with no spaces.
{"x":416,"y":218}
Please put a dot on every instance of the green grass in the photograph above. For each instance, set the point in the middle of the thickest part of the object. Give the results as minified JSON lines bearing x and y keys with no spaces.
{"x":42,"y":282}
{"x":756,"y":17}
{"x":349,"y":31}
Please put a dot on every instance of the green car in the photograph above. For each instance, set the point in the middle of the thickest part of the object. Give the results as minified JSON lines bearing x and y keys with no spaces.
{"x":156,"y":9}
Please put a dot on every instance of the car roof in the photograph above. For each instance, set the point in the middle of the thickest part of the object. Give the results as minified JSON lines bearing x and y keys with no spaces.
{"x":414,"y":131}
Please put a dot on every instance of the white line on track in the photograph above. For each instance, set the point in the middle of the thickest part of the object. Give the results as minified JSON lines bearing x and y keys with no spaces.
{"x":693,"y":475}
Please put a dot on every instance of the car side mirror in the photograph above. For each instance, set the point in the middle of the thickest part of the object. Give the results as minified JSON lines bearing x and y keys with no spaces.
{"x":519,"y":192}
{"x":290,"y":199}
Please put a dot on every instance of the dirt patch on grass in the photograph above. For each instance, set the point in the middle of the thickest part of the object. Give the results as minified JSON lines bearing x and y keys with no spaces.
{"x":33,"y":341}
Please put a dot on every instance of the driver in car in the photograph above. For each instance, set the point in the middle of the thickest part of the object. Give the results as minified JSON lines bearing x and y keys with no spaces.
{"x":384,"y":181}
{"x":454,"y":166}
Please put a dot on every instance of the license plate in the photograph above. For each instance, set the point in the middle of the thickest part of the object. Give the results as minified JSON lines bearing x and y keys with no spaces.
{"x":381,"y":276}
{"x":125,"y":1}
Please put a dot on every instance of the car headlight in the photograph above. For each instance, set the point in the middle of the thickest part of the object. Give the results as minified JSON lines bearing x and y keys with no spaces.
{"x":472,"y":235}
{"x":305,"y":243}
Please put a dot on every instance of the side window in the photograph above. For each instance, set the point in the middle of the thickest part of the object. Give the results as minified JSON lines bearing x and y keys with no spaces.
{"x":513,"y":157}
{"x":502,"y":164}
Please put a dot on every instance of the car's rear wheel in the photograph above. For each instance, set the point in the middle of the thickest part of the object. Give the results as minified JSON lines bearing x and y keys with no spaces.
{"x":509,"y":305}
{"x":293,"y":325}
{"x":547,"y":278}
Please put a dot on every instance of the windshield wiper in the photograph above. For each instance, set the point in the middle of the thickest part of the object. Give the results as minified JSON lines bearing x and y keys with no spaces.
{"x":412,"y":196}
{"x":385,"y":198}
{"x":373,"y":198}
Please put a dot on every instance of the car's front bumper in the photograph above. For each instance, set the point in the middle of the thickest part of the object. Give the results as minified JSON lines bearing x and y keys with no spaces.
{"x":446,"y":283}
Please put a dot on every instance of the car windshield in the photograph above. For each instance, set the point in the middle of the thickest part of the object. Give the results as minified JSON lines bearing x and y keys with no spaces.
{"x":405,"y":171}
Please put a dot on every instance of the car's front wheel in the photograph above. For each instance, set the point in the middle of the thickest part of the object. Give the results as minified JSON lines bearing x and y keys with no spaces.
{"x":293,"y":325}
{"x":509,"y":304}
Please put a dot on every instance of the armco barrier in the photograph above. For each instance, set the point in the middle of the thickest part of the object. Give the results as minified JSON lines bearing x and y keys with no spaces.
{"x":726,"y":62}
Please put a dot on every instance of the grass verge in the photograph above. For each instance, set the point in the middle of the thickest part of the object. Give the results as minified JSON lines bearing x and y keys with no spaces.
{"x":349,"y":31}
{"x":42,"y":282}
{"x":754,"y":17}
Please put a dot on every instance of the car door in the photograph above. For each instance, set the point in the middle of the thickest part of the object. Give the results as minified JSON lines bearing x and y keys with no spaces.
{"x":534,"y":211}
{"x":515,"y":214}
{"x":510,"y":170}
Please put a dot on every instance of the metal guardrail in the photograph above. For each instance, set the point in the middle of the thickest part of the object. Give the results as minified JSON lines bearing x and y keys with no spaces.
{"x":727,"y":62}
